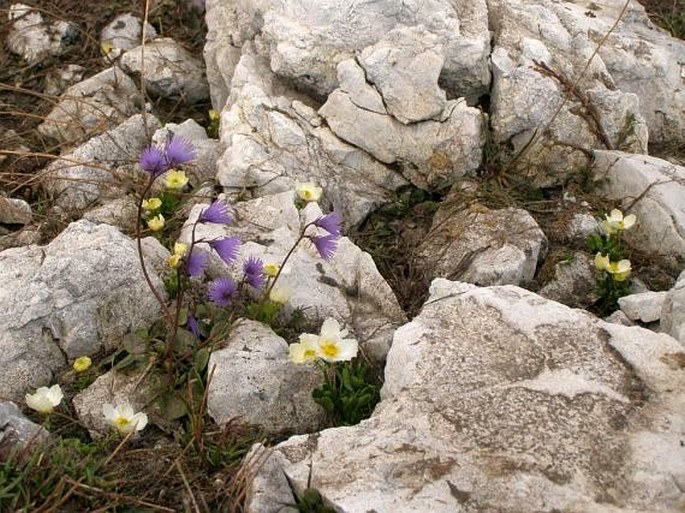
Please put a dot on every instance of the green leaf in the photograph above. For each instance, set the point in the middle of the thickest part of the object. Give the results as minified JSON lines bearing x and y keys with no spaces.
{"x":201,"y":359}
{"x":134,"y":344}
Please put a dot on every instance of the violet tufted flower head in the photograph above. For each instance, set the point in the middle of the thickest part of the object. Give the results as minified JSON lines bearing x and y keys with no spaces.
{"x":330,"y":222}
{"x":253,"y":269}
{"x":178,"y":151}
{"x":153,"y":161}
{"x":325,"y":245}
{"x":193,"y":325}
{"x":197,"y":261}
{"x":217,"y":213}
{"x":226,"y":248}
{"x":222,"y":291}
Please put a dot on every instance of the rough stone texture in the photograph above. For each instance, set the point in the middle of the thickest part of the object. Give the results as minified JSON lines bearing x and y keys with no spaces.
{"x":123,"y":33}
{"x":496,"y":399}
{"x":269,"y":490}
{"x":255,"y":383}
{"x":137,"y":388}
{"x":34,"y":38}
{"x":580,"y":227}
{"x":431,"y":154}
{"x":347,"y":287}
{"x":14,"y":211}
{"x":58,"y":80}
{"x":653,"y":190}
{"x":482,"y":246}
{"x":644,"y":307}
{"x":75,"y":296}
{"x":16,"y":431}
{"x":574,"y":282}
{"x":93,"y":106}
{"x":120,"y":212}
{"x":274,"y":139}
{"x":673,"y":311}
{"x":101,"y":168}
{"x":304,"y":42}
{"x":539,"y":50}
{"x":203,"y":168}
{"x":618,"y":317}
{"x":170,"y":70}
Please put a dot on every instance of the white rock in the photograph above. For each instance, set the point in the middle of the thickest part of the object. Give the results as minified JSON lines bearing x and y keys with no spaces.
{"x":76,"y":296}
{"x":496,"y":399}
{"x":574,"y":282}
{"x":102,"y":167}
{"x":90,"y":107}
{"x":645,"y":307}
{"x":170,"y":71}
{"x":14,"y":211}
{"x":123,"y":33}
{"x":580,"y":227}
{"x":487,"y":247}
{"x":34,"y":38}
{"x":255,"y":382}
{"x":618,"y":317}
{"x":673,"y":311}
{"x":16,"y":431}
{"x":653,"y":190}
{"x":121,"y":213}
{"x":58,"y":80}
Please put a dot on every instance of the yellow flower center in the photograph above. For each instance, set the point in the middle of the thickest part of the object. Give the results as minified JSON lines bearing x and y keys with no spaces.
{"x":309,"y":354}
{"x":122,"y":422}
{"x":329,"y":348}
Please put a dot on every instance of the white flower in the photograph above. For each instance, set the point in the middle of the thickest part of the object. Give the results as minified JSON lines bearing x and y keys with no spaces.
{"x":280,"y":293}
{"x":602,"y":262}
{"x":615,"y":221}
{"x":45,"y":399}
{"x":306,"y":350}
{"x":332,"y":346}
{"x":123,"y":418}
{"x":308,"y":191}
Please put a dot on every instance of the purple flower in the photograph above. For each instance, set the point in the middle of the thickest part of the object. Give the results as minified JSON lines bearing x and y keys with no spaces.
{"x":226,"y":248}
{"x":330,"y":223}
{"x":217,"y":213}
{"x":178,"y":151}
{"x":152,"y":160}
{"x":197,"y":261}
{"x":253,"y":268}
{"x":193,"y":325}
{"x":325,"y":245}
{"x":222,"y":291}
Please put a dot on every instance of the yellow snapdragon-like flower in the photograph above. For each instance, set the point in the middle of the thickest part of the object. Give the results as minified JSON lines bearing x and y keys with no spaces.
{"x":82,"y":363}
{"x":175,"y":179}
{"x":180,"y":250}
{"x":213,"y":115}
{"x":271,"y":270}
{"x":308,"y":191}
{"x":156,"y":223}
{"x":152,"y":204}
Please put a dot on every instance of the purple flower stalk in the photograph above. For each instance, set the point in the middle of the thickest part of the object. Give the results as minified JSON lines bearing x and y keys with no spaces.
{"x":217,"y":213}
{"x":153,"y":161}
{"x":253,"y":269}
{"x":193,"y":325}
{"x":222,"y":291}
{"x":325,"y":245}
{"x":197,"y":261}
{"x":330,"y":223}
{"x":178,"y":151}
{"x":226,"y":248}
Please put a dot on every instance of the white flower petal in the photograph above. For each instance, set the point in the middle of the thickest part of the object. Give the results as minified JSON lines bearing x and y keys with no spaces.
{"x":348,"y":349}
{"x":139,"y":420}
{"x":330,"y":328}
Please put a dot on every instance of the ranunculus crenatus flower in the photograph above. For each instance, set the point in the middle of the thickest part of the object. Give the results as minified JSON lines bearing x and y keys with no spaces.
{"x":123,"y":418}
{"x":615,"y":222}
{"x":152,"y":204}
{"x":329,"y":345}
{"x":82,"y":363}
{"x":308,"y":191}
{"x":306,"y":350}
{"x":156,"y":223}
{"x":620,"y":271}
{"x":280,"y":293}
{"x":45,"y":399}
{"x":602,"y":262}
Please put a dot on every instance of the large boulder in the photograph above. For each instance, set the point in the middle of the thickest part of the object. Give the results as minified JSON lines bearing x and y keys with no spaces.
{"x":673,"y":311}
{"x":653,"y":190}
{"x":76,"y":296}
{"x":496,"y":399}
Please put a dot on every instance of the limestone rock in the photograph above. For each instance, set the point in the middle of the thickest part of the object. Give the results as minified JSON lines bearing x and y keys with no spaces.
{"x":274,"y":139}
{"x":618,"y":317}
{"x":14,"y":211}
{"x":580,"y":227}
{"x":58,"y":80}
{"x":653,"y":190}
{"x":101,"y":168}
{"x":347,"y":287}
{"x":170,"y":70}
{"x":34,"y":38}
{"x":644,"y":307}
{"x":119,"y":212}
{"x":574,"y":282}
{"x":16,"y":431}
{"x":74,"y":297}
{"x":673,"y":311}
{"x":432,"y":153}
{"x":482,"y":246}
{"x":305,"y":44}
{"x":123,"y":33}
{"x":255,"y":382}
{"x":496,"y":399}
{"x":91,"y":107}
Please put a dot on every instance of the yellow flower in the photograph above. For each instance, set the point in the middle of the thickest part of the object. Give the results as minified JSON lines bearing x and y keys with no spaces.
{"x":306,"y":350}
{"x":107,"y":48}
{"x":152,"y":204}
{"x":123,"y":418}
{"x":308,"y":191}
{"x":280,"y":294}
{"x":175,"y":179}
{"x":602,"y":262}
{"x":213,"y":115}
{"x":44,"y":399}
{"x":156,"y":223}
{"x":620,"y":271}
{"x":617,"y":222}
{"x":271,"y":269}
{"x":82,"y":363}
{"x":180,"y":251}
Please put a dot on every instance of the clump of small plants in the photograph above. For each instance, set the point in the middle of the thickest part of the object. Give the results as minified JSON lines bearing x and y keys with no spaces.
{"x":614,"y":270}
